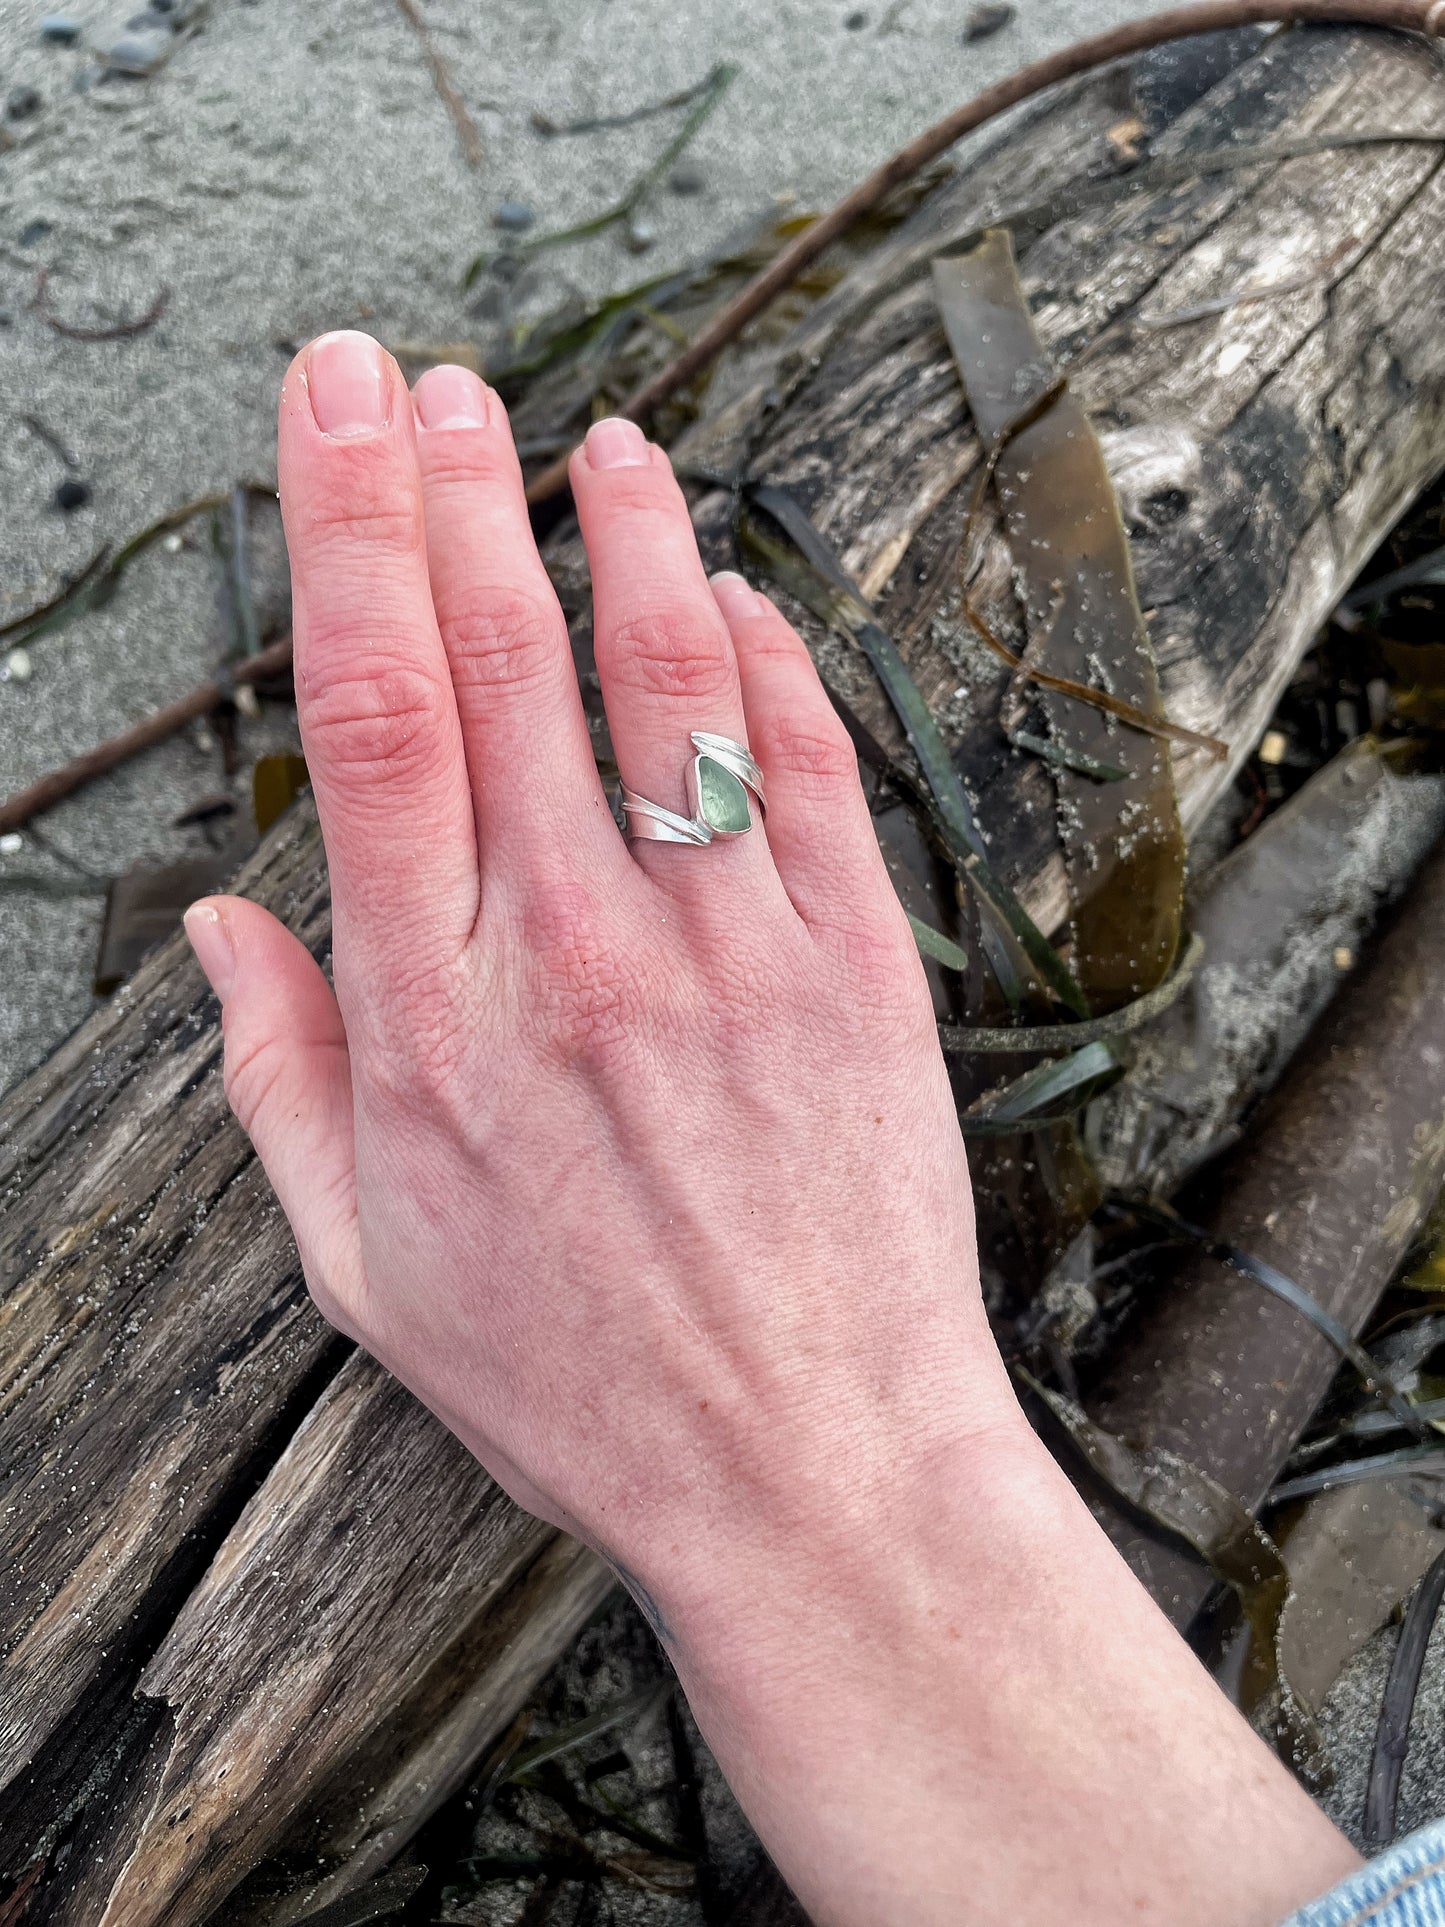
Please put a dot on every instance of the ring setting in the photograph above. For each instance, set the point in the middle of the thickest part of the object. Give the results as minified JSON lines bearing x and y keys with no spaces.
{"x":720,"y":777}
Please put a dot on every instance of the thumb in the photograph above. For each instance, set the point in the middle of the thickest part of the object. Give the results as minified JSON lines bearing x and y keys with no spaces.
{"x":288,"y":1080}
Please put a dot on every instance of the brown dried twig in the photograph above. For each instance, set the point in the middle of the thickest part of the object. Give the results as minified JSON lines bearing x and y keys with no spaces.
{"x":49,"y":789}
{"x":467,"y":135}
{"x":77,"y":331}
{"x":1136,"y":36}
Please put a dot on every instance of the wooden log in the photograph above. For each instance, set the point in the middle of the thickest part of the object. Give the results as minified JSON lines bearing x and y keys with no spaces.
{"x":158,"y":1349}
{"x":1282,"y":920}
{"x":1253,"y":485}
{"x":1329,"y":1185}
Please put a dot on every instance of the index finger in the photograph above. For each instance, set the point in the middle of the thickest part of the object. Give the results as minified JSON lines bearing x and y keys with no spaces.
{"x":373,"y":691}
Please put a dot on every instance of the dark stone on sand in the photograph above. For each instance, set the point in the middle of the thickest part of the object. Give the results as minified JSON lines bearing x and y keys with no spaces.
{"x":60,"y":29}
{"x":71,"y":495}
{"x":513,"y":217}
{"x":22,"y":102}
{"x":985,"y":21}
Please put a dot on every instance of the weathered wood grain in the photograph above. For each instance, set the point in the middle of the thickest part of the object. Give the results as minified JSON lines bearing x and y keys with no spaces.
{"x":1261,"y":453}
{"x":156,"y":1342}
{"x":375,"y":1616}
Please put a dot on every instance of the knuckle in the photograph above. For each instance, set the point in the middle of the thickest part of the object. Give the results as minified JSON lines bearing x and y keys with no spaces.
{"x":669,"y":654}
{"x":382,"y":718}
{"x":503,"y":639}
{"x":884,"y":976}
{"x":584,"y":999}
{"x":811,"y":755}
{"x":370,"y":513}
{"x":462,"y":460}
{"x":250,"y":1074}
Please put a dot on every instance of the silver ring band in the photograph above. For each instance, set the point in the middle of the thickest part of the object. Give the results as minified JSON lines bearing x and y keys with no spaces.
{"x":720,"y":778}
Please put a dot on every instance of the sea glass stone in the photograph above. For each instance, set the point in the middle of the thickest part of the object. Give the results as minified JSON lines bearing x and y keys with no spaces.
{"x":722,"y":802}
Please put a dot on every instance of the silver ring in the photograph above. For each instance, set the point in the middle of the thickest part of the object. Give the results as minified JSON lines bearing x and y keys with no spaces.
{"x":719,"y":778}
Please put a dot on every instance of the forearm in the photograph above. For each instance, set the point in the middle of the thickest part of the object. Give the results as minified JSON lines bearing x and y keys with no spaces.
{"x":969,"y":1708}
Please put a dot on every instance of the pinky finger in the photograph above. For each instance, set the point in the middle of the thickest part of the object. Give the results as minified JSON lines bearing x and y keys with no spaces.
{"x":819,"y":828}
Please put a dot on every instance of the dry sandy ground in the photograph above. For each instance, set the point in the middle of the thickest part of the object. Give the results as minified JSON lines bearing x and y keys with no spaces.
{"x":292,"y":169}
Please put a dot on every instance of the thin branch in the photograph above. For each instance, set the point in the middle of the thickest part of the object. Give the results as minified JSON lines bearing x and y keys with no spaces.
{"x":48,"y":790}
{"x":468,"y":138}
{"x":75,"y":331}
{"x":1177,"y":23}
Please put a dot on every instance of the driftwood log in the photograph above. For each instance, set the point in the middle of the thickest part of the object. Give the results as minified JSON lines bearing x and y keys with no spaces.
{"x":258,"y":1613}
{"x":1330,"y":1186}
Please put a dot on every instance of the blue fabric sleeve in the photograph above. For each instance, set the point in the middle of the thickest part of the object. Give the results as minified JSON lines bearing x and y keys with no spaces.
{"x":1404,"y":1887}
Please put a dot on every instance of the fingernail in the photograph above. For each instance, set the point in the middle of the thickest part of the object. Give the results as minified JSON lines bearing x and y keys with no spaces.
{"x":346,"y":380}
{"x":616,"y":443}
{"x":211,"y":942}
{"x":735,"y":597}
{"x":451,"y":397}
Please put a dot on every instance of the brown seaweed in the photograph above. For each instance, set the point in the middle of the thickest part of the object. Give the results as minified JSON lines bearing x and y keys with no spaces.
{"x":1125,"y":855}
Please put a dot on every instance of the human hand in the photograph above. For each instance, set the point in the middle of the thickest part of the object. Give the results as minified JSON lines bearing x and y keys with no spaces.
{"x":639,"y":1164}
{"x":636,"y":1162}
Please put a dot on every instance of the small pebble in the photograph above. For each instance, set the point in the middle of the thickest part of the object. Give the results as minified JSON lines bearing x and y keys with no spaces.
{"x":513,"y":217}
{"x":22,"y":102}
{"x":12,"y":843}
{"x":988,"y":20}
{"x":856,"y":21}
{"x":7,"y":318}
{"x":17,"y":666}
{"x":60,"y":29}
{"x":173,"y":543}
{"x":687,"y":179}
{"x":640,"y":236}
{"x":33,"y":231}
{"x":139,"y":54}
{"x":71,"y":495}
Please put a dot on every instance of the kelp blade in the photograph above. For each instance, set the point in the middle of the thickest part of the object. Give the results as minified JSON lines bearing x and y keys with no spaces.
{"x":1125,"y":851}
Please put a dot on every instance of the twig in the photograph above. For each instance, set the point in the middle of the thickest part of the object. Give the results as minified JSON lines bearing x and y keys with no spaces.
{"x":48,"y":790}
{"x":1392,"y":1737}
{"x":1177,"y":23}
{"x":468,"y":138}
{"x":74,"y":331}
{"x":51,"y":440}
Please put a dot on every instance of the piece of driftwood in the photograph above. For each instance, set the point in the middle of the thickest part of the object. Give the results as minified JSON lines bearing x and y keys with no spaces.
{"x":1250,"y":486}
{"x":1329,"y":1185}
{"x":158,"y":1350}
{"x":1283,"y":920}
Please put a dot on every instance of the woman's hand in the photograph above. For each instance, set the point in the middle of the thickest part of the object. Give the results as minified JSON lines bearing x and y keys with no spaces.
{"x":638,"y":1163}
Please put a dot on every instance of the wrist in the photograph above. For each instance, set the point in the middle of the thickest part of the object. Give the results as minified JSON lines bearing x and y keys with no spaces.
{"x":949,"y":1702}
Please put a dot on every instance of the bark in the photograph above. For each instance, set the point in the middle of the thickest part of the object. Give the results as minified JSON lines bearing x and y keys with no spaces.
{"x":180,"y":1462}
{"x":1283,"y":920}
{"x":1330,"y":1185}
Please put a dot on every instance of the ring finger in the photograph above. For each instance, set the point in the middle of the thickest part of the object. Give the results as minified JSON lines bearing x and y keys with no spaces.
{"x":664,"y":655}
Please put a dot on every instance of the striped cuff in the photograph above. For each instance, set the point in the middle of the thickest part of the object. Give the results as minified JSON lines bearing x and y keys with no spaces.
{"x":1403,"y":1887}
